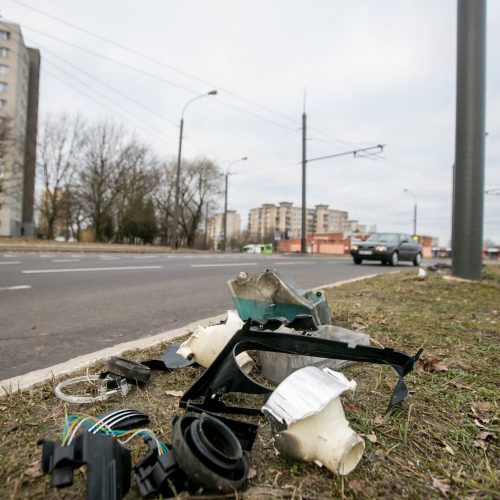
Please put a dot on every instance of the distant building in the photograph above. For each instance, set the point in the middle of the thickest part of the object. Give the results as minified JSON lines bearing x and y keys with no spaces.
{"x":284,"y":221}
{"x":19,"y":81}
{"x":215,"y":229}
{"x":353,"y":226}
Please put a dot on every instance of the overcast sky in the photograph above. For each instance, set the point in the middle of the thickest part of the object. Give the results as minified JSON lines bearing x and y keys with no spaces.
{"x":373,"y":72}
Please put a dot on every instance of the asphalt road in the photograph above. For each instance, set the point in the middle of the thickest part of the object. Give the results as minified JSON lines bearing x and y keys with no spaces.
{"x":57,"y":306}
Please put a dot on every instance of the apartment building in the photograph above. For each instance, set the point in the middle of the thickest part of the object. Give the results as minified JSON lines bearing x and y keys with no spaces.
{"x":215,"y":229}
{"x":19,"y":82}
{"x":284,"y":221}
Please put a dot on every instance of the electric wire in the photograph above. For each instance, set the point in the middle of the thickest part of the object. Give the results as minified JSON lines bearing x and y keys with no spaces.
{"x":155,"y":76}
{"x":156,"y":61}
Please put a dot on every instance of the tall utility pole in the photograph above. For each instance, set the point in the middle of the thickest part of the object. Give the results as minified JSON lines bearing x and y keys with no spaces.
{"x":303,"y":239}
{"x":468,"y":178}
{"x":414,"y":211}
{"x":224,"y":241}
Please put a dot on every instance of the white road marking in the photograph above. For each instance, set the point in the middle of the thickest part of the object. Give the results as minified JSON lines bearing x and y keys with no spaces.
{"x":294,"y":263}
{"x":66,"y":260}
{"x":145,"y":257}
{"x":7,"y":262}
{"x":51,"y":256}
{"x":18,"y":287}
{"x":109,"y":258}
{"x":225,"y":265}
{"x":8,"y":255}
{"x":88,"y":269}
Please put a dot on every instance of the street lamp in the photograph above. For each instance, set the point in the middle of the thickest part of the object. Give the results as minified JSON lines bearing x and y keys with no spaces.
{"x":173,"y":238}
{"x":225,"y":202}
{"x":414,"y":211}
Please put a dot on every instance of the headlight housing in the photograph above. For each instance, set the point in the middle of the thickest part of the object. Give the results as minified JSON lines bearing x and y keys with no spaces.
{"x":381,"y":248}
{"x":354,"y":247}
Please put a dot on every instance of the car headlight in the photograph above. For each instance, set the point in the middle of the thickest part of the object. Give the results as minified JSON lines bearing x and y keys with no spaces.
{"x":381,"y":249}
{"x":354,"y":247}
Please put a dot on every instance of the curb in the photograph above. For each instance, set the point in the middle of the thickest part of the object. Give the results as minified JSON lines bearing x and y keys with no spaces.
{"x":28,"y":380}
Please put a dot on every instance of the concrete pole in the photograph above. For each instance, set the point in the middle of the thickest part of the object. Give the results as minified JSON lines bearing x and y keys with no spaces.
{"x":468,"y":189}
{"x":224,"y":244}
{"x":173,"y":236}
{"x":303,"y":240}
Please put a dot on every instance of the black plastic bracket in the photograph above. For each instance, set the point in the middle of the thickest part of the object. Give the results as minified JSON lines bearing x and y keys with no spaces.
{"x":108,"y":465}
{"x":225,"y":376}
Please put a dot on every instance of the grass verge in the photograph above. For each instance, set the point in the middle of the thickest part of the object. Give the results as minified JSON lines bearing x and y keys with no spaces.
{"x":442,"y":442}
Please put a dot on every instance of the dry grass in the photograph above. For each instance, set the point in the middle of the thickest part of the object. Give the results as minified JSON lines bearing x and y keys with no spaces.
{"x":442,"y":442}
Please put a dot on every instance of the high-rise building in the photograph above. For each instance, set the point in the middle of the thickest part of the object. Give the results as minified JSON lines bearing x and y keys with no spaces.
{"x":284,"y":221}
{"x":19,"y":81}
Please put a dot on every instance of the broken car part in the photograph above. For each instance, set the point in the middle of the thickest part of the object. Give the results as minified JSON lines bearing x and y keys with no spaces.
{"x":169,"y":360}
{"x":209,"y":453}
{"x":225,"y":376}
{"x":159,"y":474}
{"x":132,"y":371}
{"x":308,"y":422}
{"x":206,"y":343}
{"x":276,"y":366}
{"x":124,"y":419}
{"x":269,"y":295}
{"x":106,"y":387}
{"x":108,"y":465}
{"x":245,"y":432}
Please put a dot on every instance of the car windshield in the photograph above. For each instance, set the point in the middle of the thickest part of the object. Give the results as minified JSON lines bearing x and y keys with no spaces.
{"x":384,"y":237}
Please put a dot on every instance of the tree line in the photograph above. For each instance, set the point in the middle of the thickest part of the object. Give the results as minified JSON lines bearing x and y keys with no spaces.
{"x":99,"y":178}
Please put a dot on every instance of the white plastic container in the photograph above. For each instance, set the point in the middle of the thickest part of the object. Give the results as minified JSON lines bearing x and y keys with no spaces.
{"x":206,"y":343}
{"x":308,"y":420}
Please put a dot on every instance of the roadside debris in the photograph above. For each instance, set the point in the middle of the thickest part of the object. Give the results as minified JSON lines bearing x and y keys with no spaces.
{"x":289,"y":330}
{"x":308,"y":422}
{"x":225,"y":376}
{"x":106,"y":387}
{"x":207,"y":342}
{"x":268,"y":295}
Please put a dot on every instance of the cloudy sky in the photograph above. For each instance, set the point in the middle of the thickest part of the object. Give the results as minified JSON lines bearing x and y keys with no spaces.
{"x":372,"y":72}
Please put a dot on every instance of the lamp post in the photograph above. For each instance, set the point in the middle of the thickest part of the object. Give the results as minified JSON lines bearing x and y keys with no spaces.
{"x":173,"y":237}
{"x":414,"y":211}
{"x":225,"y":202}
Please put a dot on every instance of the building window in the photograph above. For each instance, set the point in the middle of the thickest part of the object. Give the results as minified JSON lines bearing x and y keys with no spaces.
{"x":4,"y":52}
{"x":4,"y":86}
{"x":4,"y":35}
{"x":4,"y":69}
{"x":3,"y":103}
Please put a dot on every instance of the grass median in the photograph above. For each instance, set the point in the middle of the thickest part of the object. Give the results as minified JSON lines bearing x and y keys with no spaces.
{"x":443,"y":441}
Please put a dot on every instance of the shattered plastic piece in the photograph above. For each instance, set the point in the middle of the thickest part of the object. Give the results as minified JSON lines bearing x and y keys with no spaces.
{"x":308,"y":421}
{"x":169,"y":360}
{"x":206,"y":342}
{"x":107,"y":386}
{"x":276,"y":366}
{"x":209,"y":453}
{"x":268,"y":295}
{"x":224,"y":375}
{"x":108,"y":465}
{"x":159,"y":474}
{"x":132,"y":371}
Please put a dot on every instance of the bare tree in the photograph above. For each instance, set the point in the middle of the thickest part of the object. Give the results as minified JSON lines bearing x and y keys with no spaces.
{"x":139,"y":175}
{"x":60,"y":145}
{"x":201,"y":181}
{"x":100,"y":182}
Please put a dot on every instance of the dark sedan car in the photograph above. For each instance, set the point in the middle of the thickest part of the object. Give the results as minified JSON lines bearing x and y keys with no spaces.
{"x":389,"y":248}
